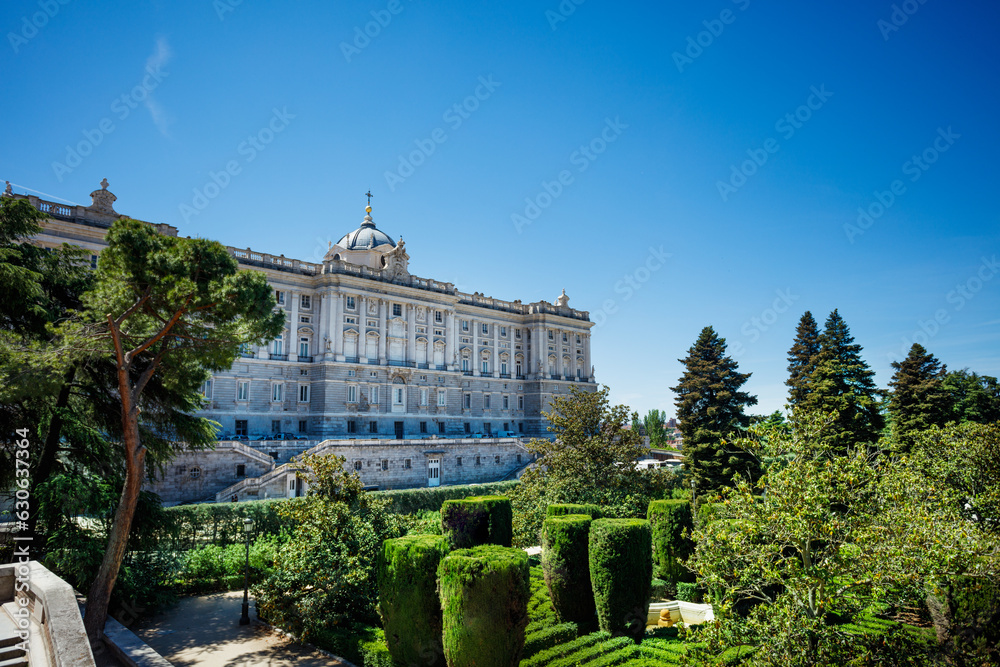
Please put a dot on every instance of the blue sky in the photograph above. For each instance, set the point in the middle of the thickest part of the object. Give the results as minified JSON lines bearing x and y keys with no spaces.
{"x":521,"y":148}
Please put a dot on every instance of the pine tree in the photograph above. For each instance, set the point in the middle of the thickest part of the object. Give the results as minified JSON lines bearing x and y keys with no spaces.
{"x":802,"y":360}
{"x":842,"y":385}
{"x":918,"y":399}
{"x":710,"y":410}
{"x":973,"y":397}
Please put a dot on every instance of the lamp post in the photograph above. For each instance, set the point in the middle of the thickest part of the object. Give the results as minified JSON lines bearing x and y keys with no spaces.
{"x":245,"y":618}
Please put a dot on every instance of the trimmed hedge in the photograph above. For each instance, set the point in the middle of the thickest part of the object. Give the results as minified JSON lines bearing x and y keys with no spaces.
{"x":543,"y":658}
{"x":668,"y":519}
{"x":408,"y":501}
{"x":541,"y":613}
{"x":477,"y":520}
{"x":621,"y":571}
{"x":548,"y":637}
{"x":660,"y":589}
{"x":600,"y":651}
{"x":408,"y":601}
{"x":565,"y":542}
{"x":561,"y":509}
{"x":688,"y":592}
{"x":484,"y":597}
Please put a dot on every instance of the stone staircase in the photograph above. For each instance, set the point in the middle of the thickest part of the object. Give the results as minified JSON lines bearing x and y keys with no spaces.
{"x":11,"y":654}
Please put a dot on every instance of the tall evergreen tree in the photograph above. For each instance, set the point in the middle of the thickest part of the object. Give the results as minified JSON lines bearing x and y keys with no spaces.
{"x":710,"y":410}
{"x":973,"y":397}
{"x":918,"y":399}
{"x":802,"y":359}
{"x":844,"y":385}
{"x":653,"y":422}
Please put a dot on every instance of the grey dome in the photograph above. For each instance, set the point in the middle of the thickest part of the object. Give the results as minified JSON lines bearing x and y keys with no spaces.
{"x":365,"y":237}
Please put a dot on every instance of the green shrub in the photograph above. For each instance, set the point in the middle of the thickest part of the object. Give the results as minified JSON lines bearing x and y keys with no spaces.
{"x":599,"y":651}
{"x":408,"y":600}
{"x":621,"y":570}
{"x":205,"y":563}
{"x":546,"y":638}
{"x":668,"y":519}
{"x":477,"y":520}
{"x":966,"y":615}
{"x":543,"y":658}
{"x":560,"y":509}
{"x":408,"y":501}
{"x":484,"y":595}
{"x":541,"y":613}
{"x":688,"y":592}
{"x":352,"y":642}
{"x":709,"y":512}
{"x":375,"y":653}
{"x":565,"y":541}
{"x":661,"y":590}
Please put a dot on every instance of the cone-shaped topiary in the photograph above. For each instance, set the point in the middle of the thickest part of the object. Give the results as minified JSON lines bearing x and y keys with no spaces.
{"x":484,"y":598}
{"x":560,"y":509}
{"x":477,"y":520}
{"x":621,"y":570}
{"x":565,"y":545}
{"x":668,"y":519}
{"x":408,"y":598}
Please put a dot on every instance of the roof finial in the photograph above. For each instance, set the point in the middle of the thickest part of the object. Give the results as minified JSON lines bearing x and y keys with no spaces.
{"x":368,"y":209}
{"x":104,"y":183}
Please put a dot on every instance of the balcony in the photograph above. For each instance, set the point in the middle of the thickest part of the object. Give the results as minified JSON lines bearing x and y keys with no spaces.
{"x":423,"y":366}
{"x":505,"y":376}
{"x":519,"y":377}
{"x":277,"y":357}
{"x":306,"y":360}
{"x":466,"y":372}
{"x":350,"y":360}
{"x":403,"y":364}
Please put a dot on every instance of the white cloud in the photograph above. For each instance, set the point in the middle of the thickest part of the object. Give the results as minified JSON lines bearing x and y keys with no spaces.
{"x":160,"y":57}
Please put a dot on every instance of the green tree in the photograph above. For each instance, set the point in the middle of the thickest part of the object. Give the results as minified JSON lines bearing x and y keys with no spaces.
{"x":918,"y":399}
{"x":802,"y":360}
{"x":974,"y":397}
{"x":710,"y":410}
{"x":592,"y":459}
{"x":653,"y":422}
{"x":842,"y":384}
{"x":169,"y":306}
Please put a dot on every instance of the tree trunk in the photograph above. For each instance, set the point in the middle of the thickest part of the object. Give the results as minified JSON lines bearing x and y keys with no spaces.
{"x":99,"y":596}
{"x":47,"y":460}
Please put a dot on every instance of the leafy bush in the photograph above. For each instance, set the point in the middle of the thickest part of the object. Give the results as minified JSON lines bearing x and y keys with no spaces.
{"x":565,"y":541}
{"x":560,"y":509}
{"x":621,"y":569}
{"x":966,"y":613}
{"x":408,"y":598}
{"x":668,"y":519}
{"x":477,"y":520}
{"x":688,"y":592}
{"x":661,"y":590}
{"x":484,"y":595}
{"x":408,"y":501}
{"x":709,"y":512}
{"x":424,"y":522}
{"x":546,"y":638}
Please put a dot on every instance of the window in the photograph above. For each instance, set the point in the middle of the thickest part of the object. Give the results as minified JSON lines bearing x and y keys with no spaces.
{"x":279,"y":296}
{"x":520,"y":402}
{"x":241,"y":427}
{"x":458,"y":461}
{"x":303,"y":371}
{"x":397,"y":396}
{"x":468,"y":427}
{"x":206,"y":389}
{"x":303,"y":393}
{"x":357,"y":465}
{"x":305,"y":319}
{"x":397,"y":310}
{"x":423,"y":396}
{"x":351,"y":320}
{"x":564,"y":337}
{"x":195,"y":472}
{"x":373,"y":427}
{"x":291,"y":485}
{"x":438,"y":316}
{"x":486,"y":366}
{"x":350,"y":303}
{"x":465,"y":364}
{"x":303,"y":347}
{"x":506,"y":426}
{"x":518,"y":458}
{"x":305,"y":301}
{"x":551,"y":335}
{"x":506,"y":404}
{"x":302,"y":426}
{"x":486,"y":401}
{"x":442,"y":396}
{"x":181,"y":470}
{"x":277,"y":392}
{"x":441,"y":427}
{"x":578,"y":339}
{"x":517,"y":333}
{"x":479,"y":461}
{"x":277,"y":346}
{"x":352,"y":393}
{"x":467,"y":401}
{"x":352,"y":426}
{"x":385,"y":464}
{"x":496,"y":460}
{"x":275,"y":425}
{"x":520,"y":428}
{"x":465,"y":325}
{"x":503,"y":368}
{"x":488,"y":427}
{"x":93,"y":261}
{"x":407,"y":463}
{"x":486,"y":329}
{"x":503,"y":331}
{"x":517,"y":368}
{"x":423,"y":427}
{"x":352,"y":373}
{"x":374,"y":395}
{"x":241,"y":470}
{"x":273,"y":455}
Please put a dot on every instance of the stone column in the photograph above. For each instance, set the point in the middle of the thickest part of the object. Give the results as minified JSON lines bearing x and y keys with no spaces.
{"x":337,"y":325}
{"x":322,"y":327}
{"x":496,"y":350}
{"x":411,"y":333}
{"x":449,"y":340}
{"x":292,"y":347}
{"x":586,"y":357}
{"x":559,"y":354}
{"x":362,"y":327}
{"x":475,"y":347}
{"x":383,"y":330}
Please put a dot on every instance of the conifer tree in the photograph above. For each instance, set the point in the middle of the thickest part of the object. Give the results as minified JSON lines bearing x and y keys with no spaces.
{"x":973,"y":397}
{"x":843,"y":385}
{"x":710,"y":410}
{"x":802,"y":359}
{"x":918,"y":399}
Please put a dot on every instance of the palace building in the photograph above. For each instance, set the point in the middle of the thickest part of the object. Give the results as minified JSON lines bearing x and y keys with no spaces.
{"x":371,"y":351}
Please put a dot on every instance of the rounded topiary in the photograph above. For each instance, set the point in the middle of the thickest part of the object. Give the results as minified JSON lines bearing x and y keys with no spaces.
{"x":484,"y":598}
{"x":667,"y":520}
{"x":477,"y":520}
{"x":565,"y":562}
{"x":621,"y":571}
{"x":408,"y":598}
{"x":560,"y":509}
